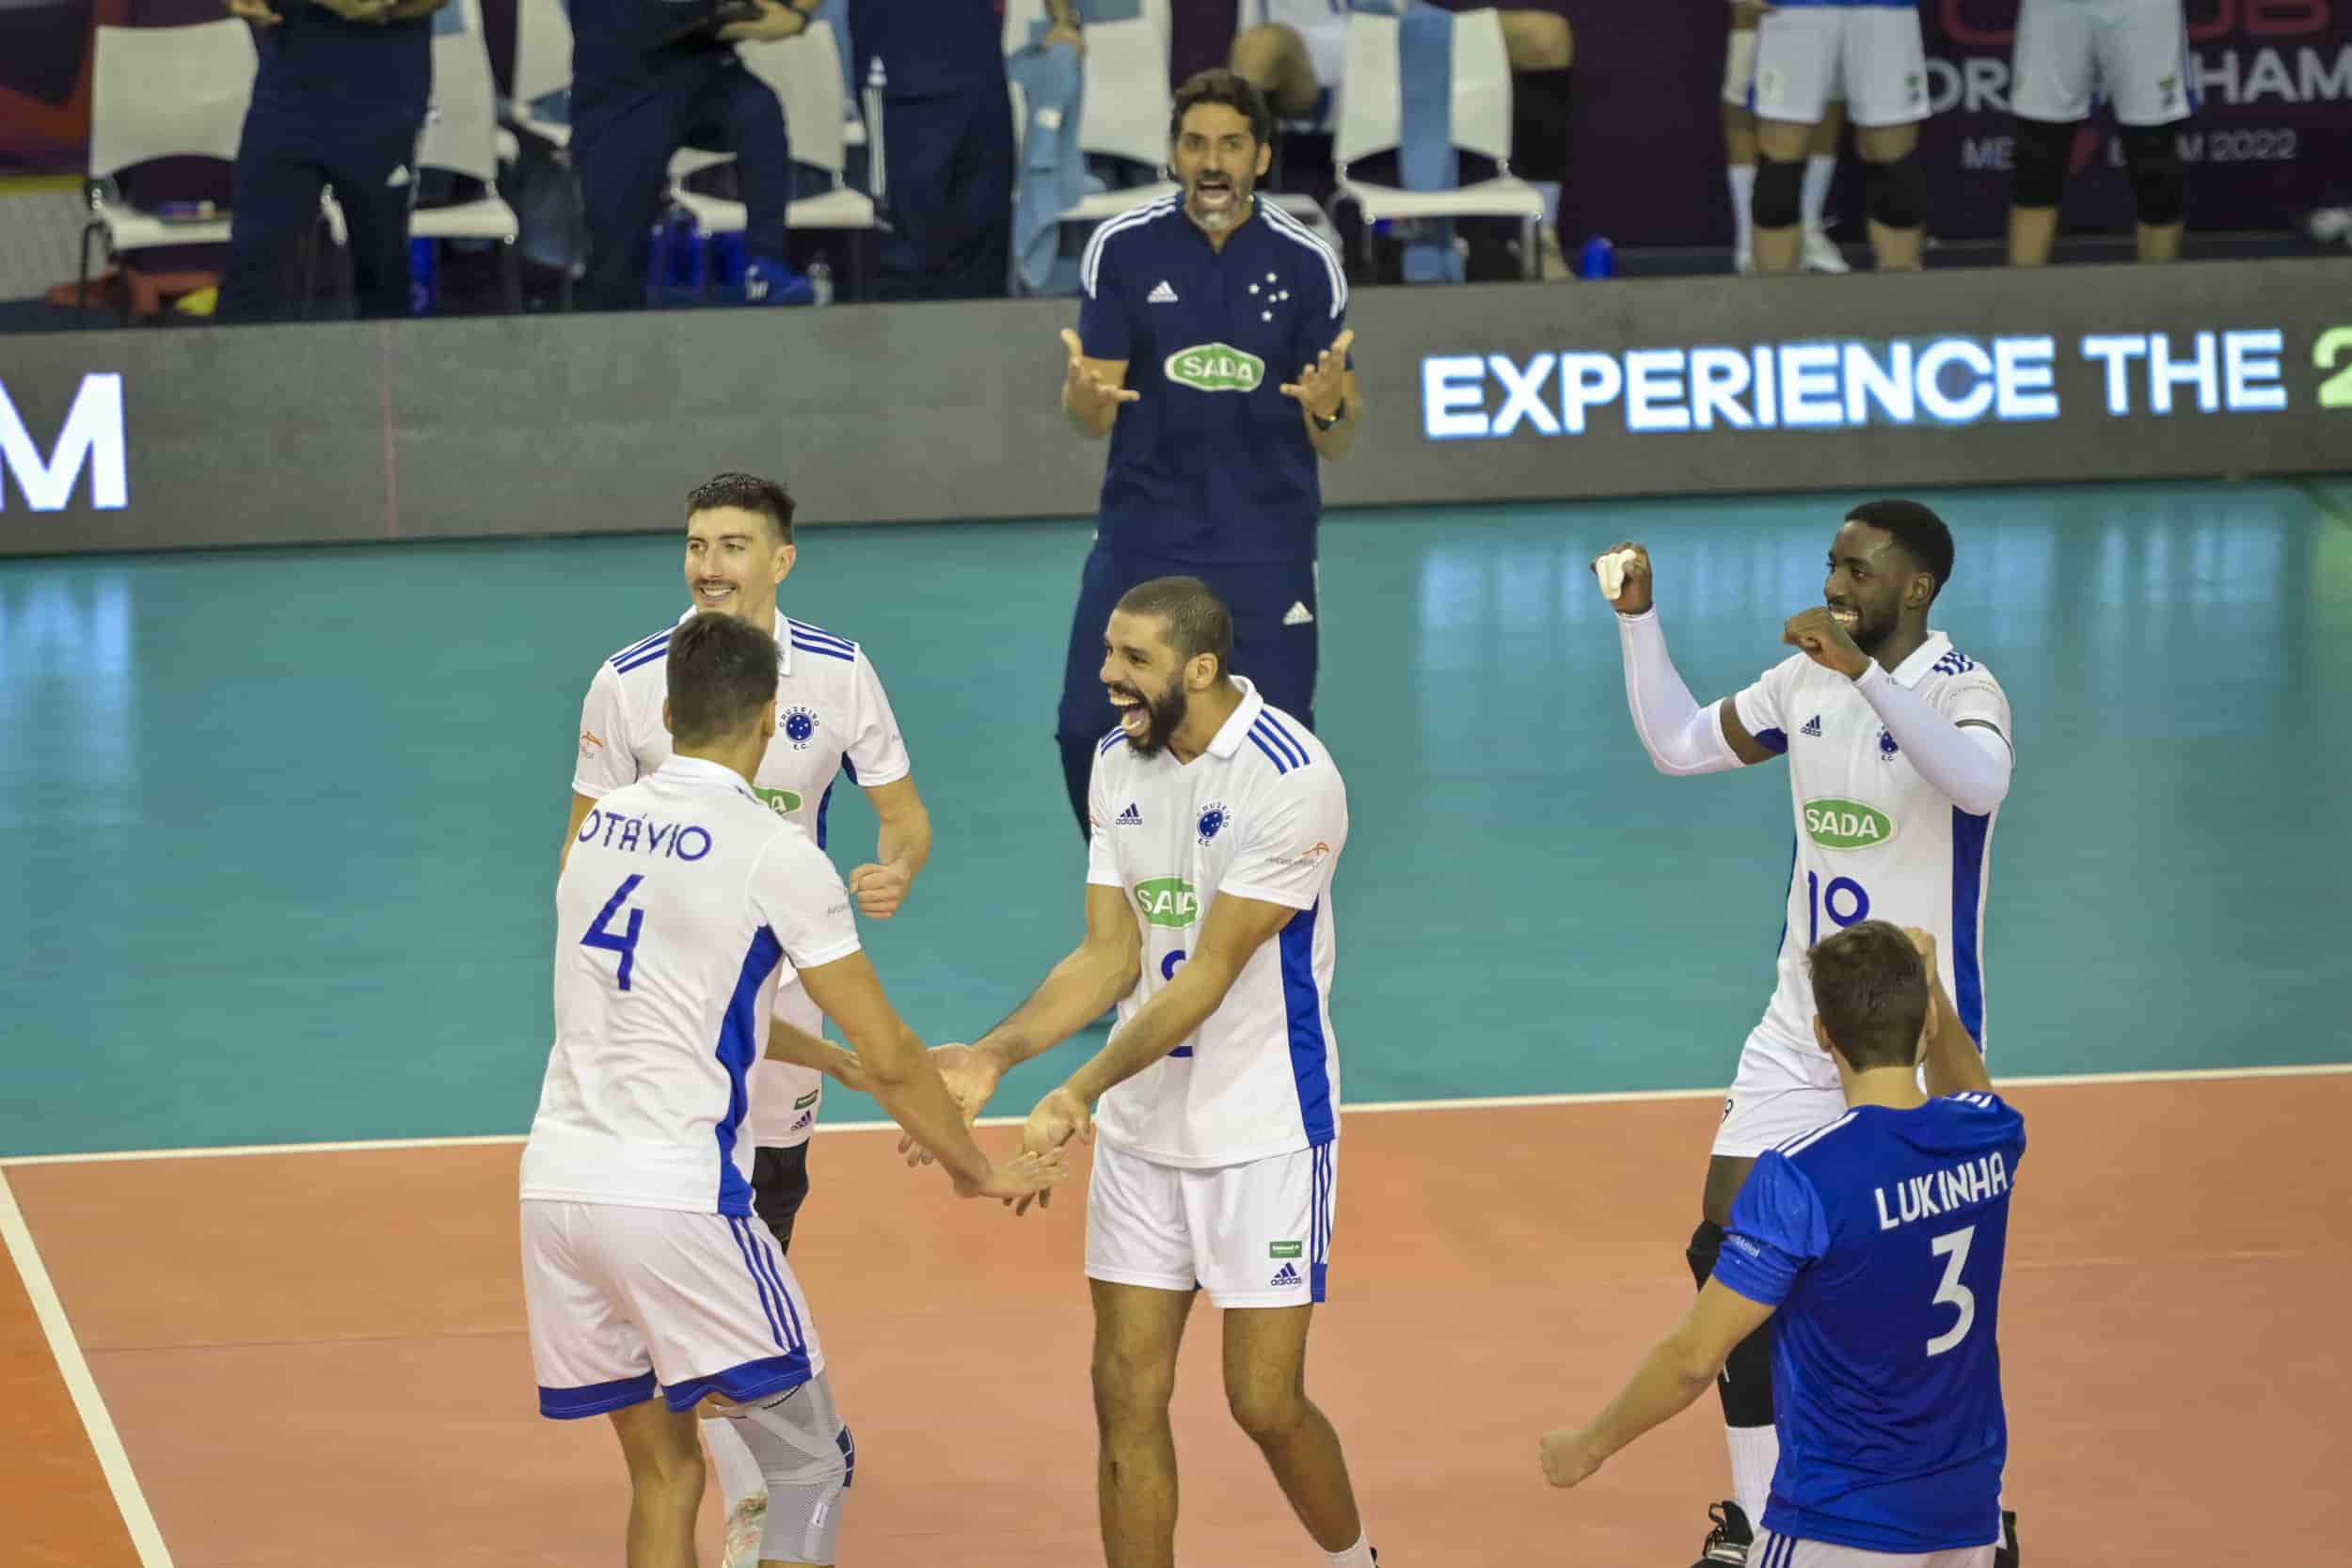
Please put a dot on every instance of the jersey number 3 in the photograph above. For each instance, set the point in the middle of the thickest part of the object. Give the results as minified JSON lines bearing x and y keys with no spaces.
{"x":622,"y":942}
{"x":1951,"y":1292}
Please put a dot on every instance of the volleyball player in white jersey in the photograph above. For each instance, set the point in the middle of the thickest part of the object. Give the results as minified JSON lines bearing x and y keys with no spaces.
{"x":1217,"y":822}
{"x":1899,"y":759}
{"x":834,"y":719}
{"x":683,"y":903}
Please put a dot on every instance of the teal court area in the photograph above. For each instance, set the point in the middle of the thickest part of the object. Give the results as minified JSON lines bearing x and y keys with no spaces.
{"x":283,"y":826}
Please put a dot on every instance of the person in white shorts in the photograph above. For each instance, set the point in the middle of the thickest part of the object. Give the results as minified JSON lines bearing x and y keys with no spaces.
{"x":684,"y":903}
{"x":2068,"y":51}
{"x":1888,"y":1366}
{"x":1818,"y":252}
{"x":835,"y":720}
{"x":1216,"y":824}
{"x":1805,"y":50}
{"x":1899,"y":759}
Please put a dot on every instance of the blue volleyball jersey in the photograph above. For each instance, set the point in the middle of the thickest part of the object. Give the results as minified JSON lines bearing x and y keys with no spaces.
{"x":1880,"y":1240}
{"x":1212,"y":463}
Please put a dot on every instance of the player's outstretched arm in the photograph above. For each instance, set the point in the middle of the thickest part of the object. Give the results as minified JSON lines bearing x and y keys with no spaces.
{"x":1681,"y":737}
{"x":1950,"y":1055}
{"x":1676,"y":1371}
{"x":788,"y":1042}
{"x":1093,"y":391}
{"x":1235,"y":928}
{"x":901,"y":1076}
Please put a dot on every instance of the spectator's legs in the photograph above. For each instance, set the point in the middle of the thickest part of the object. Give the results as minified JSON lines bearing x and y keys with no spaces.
{"x":1739,"y":136}
{"x":622,"y":158}
{"x":274,"y":202}
{"x":745,"y":113}
{"x":1274,"y":58}
{"x":373,"y":170}
{"x":1541,"y":49}
{"x":950,"y":197}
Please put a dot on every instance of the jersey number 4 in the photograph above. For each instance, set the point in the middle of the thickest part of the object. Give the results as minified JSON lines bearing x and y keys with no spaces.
{"x":1951,"y":1292}
{"x":622,"y":942}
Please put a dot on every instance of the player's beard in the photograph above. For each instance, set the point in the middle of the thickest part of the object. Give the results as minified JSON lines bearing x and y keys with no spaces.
{"x":1229,"y":216}
{"x":1164,"y":715}
{"x":1871,"y":630}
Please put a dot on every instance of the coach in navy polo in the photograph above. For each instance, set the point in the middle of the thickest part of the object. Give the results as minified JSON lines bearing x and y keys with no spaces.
{"x":1212,"y":349}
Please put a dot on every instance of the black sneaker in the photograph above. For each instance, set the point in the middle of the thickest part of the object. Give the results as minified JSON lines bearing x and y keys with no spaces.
{"x":2005,"y":1555}
{"x":1728,"y":1541}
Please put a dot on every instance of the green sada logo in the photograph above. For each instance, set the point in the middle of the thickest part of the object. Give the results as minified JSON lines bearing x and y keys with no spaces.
{"x":782,"y":801}
{"x":1215,"y":367}
{"x":1168,"y":901}
{"x":1847,"y":825}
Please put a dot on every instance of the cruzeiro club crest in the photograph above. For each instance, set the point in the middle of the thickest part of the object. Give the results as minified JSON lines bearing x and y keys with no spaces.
{"x":799,"y":727}
{"x":1213,"y":820}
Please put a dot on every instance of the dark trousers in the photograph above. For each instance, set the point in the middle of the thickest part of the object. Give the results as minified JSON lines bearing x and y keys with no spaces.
{"x":282,"y":160}
{"x":622,"y":150}
{"x":779,"y":1187}
{"x":949,"y":164}
{"x":1278,"y":660}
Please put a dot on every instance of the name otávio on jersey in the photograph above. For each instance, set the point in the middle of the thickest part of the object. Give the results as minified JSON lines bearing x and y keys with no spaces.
{"x":831,"y":718}
{"x":1880,"y":1241}
{"x":1261,"y":814}
{"x":1874,"y":840}
{"x":684,"y":901}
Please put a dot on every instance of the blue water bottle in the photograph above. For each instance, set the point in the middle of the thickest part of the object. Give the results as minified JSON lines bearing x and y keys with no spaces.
{"x":1598,"y":259}
{"x":424,"y":290}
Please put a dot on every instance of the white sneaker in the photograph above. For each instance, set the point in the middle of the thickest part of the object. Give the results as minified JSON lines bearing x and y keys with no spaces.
{"x":1821,"y":253}
{"x":747,"y":1527}
{"x":1743,"y":262}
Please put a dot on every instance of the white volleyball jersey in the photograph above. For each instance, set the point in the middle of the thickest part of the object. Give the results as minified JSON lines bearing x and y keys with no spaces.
{"x":1875,"y":841}
{"x":831,"y":718}
{"x":683,"y":903}
{"x":1262,"y":815}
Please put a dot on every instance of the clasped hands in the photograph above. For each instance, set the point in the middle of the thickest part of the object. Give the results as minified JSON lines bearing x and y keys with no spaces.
{"x":971,"y":1076}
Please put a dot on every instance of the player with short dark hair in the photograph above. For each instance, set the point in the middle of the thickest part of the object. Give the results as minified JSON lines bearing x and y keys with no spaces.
{"x":1876,"y":1243}
{"x":1899,"y":759}
{"x":2133,"y":53}
{"x":1212,"y":349}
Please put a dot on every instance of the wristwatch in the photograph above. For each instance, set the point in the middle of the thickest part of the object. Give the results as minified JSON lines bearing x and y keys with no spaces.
{"x":1332,"y":423}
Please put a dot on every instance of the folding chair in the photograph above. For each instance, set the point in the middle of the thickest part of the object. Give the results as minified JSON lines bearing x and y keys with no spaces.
{"x":1128,"y":98}
{"x":461,"y":137}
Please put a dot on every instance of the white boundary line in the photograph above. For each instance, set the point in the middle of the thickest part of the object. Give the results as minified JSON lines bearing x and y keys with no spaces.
{"x":66,"y":1351}
{"x":1493,"y":1102}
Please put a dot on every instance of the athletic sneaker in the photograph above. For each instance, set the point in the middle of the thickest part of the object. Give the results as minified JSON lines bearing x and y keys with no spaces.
{"x":1743,"y":262}
{"x":1727,"y":1543}
{"x":1821,"y":253}
{"x":746,"y":1528}
{"x":2005,"y":1555}
{"x":769,"y":282}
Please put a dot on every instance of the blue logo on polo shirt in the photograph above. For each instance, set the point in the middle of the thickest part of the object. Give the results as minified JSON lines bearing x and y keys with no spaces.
{"x":1213,"y":820}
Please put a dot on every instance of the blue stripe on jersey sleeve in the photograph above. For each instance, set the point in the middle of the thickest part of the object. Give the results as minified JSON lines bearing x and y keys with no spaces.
{"x":658,"y":650}
{"x":1774,"y":740}
{"x":817,"y":634}
{"x":659,"y":639}
{"x":1283,"y":737}
{"x":1777,"y":1228}
{"x":1969,"y":835}
{"x":828,"y":649}
{"x":738,"y":1047}
{"x":1303,"y":1005}
{"x":1281,"y":762}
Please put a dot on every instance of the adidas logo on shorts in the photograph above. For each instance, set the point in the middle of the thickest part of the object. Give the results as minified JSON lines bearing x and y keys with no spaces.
{"x":1288,"y":1275}
{"x":1812,"y":727}
{"x":1131,"y":817}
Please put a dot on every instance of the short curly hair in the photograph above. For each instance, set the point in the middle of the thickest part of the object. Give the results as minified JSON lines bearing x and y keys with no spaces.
{"x":745,"y":493}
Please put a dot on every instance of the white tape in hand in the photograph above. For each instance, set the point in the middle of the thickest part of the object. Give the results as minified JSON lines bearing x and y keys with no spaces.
{"x":1612,"y":569}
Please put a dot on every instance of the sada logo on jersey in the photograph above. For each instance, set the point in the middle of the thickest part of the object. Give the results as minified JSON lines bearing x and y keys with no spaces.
{"x":1215,"y":368}
{"x":1847,"y":824}
{"x":782,"y":801}
{"x":1168,"y":901}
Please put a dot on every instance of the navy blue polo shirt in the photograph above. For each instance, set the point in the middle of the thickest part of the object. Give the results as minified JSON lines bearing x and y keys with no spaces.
{"x":1212,"y":463}
{"x":315,"y":63}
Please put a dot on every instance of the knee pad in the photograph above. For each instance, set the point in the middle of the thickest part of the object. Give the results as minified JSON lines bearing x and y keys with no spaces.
{"x":1778,"y":201}
{"x":808,"y":1459}
{"x":2151,"y":154}
{"x":1899,"y":191}
{"x":2042,"y":150}
{"x":1706,"y":1242}
{"x":1746,"y":1385}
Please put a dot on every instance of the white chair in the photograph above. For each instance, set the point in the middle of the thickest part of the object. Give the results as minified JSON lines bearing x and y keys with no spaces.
{"x":1481,"y":123}
{"x":461,"y":137}
{"x":1128,"y":98}
{"x":804,"y":73}
{"x":159,"y":93}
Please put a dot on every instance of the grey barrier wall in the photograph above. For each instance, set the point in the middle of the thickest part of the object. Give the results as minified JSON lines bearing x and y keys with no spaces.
{"x":412,"y":430}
